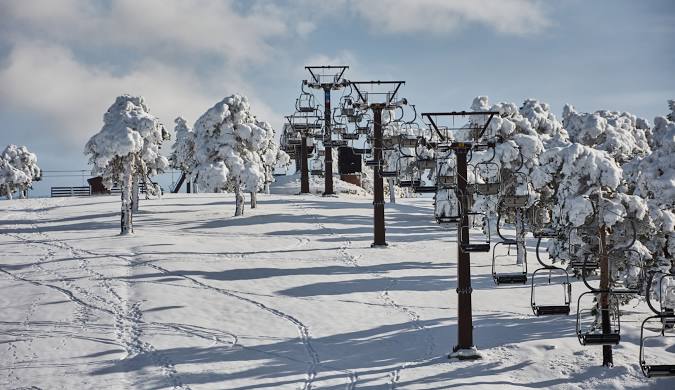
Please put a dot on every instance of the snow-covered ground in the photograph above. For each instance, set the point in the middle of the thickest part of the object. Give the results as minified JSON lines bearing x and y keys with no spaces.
{"x":289,"y":296}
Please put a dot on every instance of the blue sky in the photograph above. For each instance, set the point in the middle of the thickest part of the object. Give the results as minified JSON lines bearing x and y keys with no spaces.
{"x":62,"y":63}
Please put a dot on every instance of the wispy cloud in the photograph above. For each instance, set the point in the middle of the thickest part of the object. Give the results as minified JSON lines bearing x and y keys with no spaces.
{"x":517,"y":17}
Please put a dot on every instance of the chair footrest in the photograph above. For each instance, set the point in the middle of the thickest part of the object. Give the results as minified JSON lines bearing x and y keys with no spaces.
{"x":424,"y":189}
{"x":600,"y":339}
{"x":660,"y":370}
{"x":476,"y":248}
{"x":510,"y":278}
{"x":552,"y":310}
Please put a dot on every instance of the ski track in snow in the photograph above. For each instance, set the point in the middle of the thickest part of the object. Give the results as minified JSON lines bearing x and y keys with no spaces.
{"x":352,"y":260}
{"x":126,"y":325}
{"x":127,"y":317}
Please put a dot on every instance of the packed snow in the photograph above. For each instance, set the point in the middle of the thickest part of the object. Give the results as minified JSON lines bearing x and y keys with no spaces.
{"x":288,"y":296}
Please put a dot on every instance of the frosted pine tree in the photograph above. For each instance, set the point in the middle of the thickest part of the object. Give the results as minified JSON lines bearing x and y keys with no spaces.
{"x":653,"y":179}
{"x":183,"y":150}
{"x":228,"y":144}
{"x":621,"y":134}
{"x":11,"y":179}
{"x":127,"y":147}
{"x":20,"y":158}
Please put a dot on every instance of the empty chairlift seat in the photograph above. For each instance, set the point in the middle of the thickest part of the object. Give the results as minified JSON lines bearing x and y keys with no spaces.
{"x":657,"y":330}
{"x":589,"y":331}
{"x":551,"y":278}
{"x":475,"y":242}
{"x":505,"y":268}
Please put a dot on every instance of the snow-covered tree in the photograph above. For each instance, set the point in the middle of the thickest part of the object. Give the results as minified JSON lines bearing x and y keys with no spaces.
{"x":183,"y":150}
{"x":621,"y":134}
{"x":653,"y":179}
{"x":127,"y":149}
{"x":11,"y":179}
{"x":271,"y":156}
{"x":23,"y":160}
{"x":229,"y":140}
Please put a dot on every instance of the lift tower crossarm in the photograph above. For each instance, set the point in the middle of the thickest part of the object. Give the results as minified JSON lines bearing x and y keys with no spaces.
{"x":430,"y":116}
{"x":316,"y":80}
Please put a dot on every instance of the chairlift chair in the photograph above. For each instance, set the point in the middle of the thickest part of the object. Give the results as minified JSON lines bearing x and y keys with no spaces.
{"x":420,"y":188}
{"x":350,"y":136}
{"x":593,"y":334}
{"x":346,"y":106}
{"x":488,"y":171}
{"x":475,"y":245}
{"x":550,"y":309}
{"x":387,"y":171}
{"x":447,"y":181}
{"x":539,"y":221}
{"x":305,"y":103}
{"x":446,"y":207}
{"x":334,"y":143}
{"x":407,"y":141}
{"x":517,"y":277}
{"x":339,"y":129}
{"x":447,"y":174}
{"x":425,"y":163}
{"x":664,"y":317}
{"x":509,"y":193}
{"x":317,"y":164}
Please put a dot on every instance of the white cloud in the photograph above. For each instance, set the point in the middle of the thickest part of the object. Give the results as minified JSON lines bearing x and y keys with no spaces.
{"x":443,"y":16}
{"x":49,"y":83}
{"x":188,"y":26}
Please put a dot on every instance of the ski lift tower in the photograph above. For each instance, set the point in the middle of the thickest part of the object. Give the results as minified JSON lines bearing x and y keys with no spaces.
{"x":466,"y":138}
{"x":304,"y":124}
{"x":327,"y":78}
{"x":378,"y":101}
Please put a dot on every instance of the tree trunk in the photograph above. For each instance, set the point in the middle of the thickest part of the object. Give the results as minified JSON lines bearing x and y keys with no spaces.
{"x":134,"y":194}
{"x":254,"y":200}
{"x":607,"y":358}
{"x":23,"y":193}
{"x":9,"y":192}
{"x":126,"y":215}
{"x":392,"y":191}
{"x":521,"y":250}
{"x":239,"y":201}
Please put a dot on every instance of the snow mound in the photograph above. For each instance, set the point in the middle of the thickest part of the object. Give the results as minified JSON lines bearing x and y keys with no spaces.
{"x":289,"y":185}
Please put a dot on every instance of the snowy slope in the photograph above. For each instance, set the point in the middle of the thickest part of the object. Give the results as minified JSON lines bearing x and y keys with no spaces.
{"x":289,"y":296}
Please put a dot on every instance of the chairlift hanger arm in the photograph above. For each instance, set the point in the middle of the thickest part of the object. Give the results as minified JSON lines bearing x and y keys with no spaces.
{"x":491,"y":114}
{"x":337,"y":77}
{"x":433,"y":124}
{"x":377,"y":82}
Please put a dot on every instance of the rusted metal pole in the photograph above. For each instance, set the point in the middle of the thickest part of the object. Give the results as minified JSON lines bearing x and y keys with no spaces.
{"x":378,"y":183}
{"x":464,"y":290}
{"x":304,"y":171}
{"x":328,"y":158}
